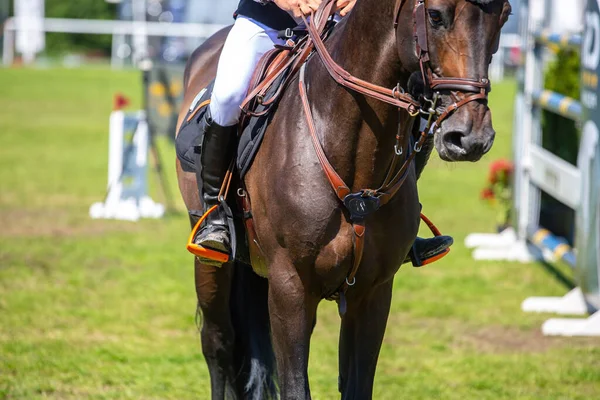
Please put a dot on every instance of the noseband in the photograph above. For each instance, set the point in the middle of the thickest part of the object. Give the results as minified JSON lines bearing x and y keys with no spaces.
{"x":479,"y":88}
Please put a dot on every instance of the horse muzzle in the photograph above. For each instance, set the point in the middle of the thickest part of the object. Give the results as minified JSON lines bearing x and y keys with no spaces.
{"x":466,"y":135}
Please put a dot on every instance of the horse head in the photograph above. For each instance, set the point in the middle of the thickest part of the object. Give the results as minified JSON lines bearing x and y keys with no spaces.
{"x":452,"y":45}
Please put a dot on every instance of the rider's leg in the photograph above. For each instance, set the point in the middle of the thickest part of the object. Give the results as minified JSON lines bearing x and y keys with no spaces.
{"x":247,"y":42}
{"x":425,"y":251}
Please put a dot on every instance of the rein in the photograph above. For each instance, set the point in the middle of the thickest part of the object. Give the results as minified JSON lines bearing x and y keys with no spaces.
{"x":366,"y":201}
{"x":394,"y":97}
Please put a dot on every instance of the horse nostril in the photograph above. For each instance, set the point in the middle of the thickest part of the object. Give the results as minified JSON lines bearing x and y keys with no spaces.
{"x":454,"y":139}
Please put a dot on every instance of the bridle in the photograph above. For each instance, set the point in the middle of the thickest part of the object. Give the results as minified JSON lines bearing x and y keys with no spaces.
{"x":478,"y":87}
{"x":366,"y":201}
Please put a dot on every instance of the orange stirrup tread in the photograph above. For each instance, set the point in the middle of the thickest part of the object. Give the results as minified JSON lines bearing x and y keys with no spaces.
{"x":203,"y":252}
{"x":435,"y":258}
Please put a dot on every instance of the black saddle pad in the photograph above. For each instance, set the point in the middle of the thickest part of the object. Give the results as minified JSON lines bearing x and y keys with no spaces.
{"x":189,"y":134}
{"x":252,"y":135}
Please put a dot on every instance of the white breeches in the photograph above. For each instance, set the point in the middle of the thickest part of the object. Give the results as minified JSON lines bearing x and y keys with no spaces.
{"x":247,"y":42}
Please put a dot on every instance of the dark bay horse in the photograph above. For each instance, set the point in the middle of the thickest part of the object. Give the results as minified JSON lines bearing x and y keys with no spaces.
{"x":305,"y":232}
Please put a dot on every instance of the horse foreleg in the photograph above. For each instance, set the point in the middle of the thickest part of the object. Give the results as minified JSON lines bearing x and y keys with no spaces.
{"x":361,"y":336}
{"x":292,"y":314}
{"x":213,"y":287}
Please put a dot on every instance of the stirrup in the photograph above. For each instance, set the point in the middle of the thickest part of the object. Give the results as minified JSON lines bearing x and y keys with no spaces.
{"x":203,"y":252}
{"x":418,"y":262}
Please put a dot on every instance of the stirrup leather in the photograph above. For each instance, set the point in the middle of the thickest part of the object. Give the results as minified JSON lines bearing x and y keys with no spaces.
{"x":203,"y":252}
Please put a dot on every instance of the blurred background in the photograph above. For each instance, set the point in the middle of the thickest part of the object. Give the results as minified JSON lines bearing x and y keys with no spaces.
{"x":96,"y":288}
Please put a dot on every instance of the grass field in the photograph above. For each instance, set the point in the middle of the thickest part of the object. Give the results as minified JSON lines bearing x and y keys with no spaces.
{"x":105,"y":309}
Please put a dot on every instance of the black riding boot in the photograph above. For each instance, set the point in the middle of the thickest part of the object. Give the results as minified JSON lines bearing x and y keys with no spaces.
{"x":425,"y":251}
{"x":213,"y":159}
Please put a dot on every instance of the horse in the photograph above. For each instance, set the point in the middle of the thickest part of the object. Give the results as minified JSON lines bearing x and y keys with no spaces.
{"x":256,"y":332}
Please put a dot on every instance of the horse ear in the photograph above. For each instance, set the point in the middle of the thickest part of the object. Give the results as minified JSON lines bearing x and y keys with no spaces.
{"x":506,"y":12}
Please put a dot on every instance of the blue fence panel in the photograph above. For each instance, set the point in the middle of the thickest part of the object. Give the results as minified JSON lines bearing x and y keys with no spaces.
{"x":559,"y":104}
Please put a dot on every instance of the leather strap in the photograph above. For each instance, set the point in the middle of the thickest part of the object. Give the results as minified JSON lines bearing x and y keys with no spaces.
{"x":339,"y":187}
{"x":342,"y":190}
{"x":358,"y":242}
{"x":337,"y":183}
{"x":460,"y":84}
{"x":452,"y":108}
{"x":390,"y":96}
{"x":420,"y":27}
{"x":268,"y":81}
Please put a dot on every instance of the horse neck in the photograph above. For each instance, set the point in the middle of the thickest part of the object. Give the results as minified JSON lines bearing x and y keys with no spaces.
{"x":358,"y":133}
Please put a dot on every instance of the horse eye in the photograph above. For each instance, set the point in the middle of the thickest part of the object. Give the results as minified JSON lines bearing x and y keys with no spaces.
{"x":435,"y":17}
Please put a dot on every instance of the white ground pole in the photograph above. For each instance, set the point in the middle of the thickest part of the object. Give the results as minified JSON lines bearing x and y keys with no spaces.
{"x":31,"y":39}
{"x":127,"y":197}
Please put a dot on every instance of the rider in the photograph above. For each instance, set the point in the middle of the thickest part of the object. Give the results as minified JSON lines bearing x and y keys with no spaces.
{"x":254,"y":33}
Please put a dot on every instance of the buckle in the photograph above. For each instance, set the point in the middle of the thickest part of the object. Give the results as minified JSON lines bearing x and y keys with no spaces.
{"x":431,"y":113}
{"x":361,"y":204}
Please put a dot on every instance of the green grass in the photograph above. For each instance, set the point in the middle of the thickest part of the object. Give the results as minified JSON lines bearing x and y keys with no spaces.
{"x":105,"y":309}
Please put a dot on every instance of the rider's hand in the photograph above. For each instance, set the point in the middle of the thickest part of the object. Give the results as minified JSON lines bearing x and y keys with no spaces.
{"x":344,"y":6}
{"x":297,"y":8}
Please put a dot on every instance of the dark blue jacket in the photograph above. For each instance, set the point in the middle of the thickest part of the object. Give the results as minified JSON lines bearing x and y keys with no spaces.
{"x":269,"y":14}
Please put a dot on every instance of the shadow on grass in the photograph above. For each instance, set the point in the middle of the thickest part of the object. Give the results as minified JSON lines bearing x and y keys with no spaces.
{"x":557,"y":274}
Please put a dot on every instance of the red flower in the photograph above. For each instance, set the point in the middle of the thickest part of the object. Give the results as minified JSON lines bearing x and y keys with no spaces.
{"x":487,"y":194}
{"x":120,"y":102}
{"x":501,"y":171}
